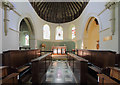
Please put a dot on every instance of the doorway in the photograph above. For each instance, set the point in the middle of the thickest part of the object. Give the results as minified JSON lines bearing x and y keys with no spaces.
{"x":26,"y":36}
{"x":91,"y":34}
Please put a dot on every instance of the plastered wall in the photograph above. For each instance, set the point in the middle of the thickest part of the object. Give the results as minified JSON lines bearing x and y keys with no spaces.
{"x":94,"y":9}
{"x":37,"y":23}
{"x":0,"y":27}
{"x":119,"y":27}
{"x":70,"y":44}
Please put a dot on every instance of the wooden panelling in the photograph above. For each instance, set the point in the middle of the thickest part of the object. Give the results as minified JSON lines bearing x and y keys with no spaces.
{"x":39,"y":68}
{"x":31,"y":54}
{"x":59,"y":12}
{"x":0,"y":59}
{"x":104,"y":79}
{"x":79,"y":66}
{"x":16,"y":59}
{"x":10,"y":79}
{"x":118,"y":59}
{"x":101,"y":59}
{"x":115,"y":73}
{"x":3,"y":71}
{"x":6,"y":78}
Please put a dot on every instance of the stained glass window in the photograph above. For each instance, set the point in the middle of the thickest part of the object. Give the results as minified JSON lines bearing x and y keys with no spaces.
{"x":59,"y":33}
{"x":82,"y":45}
{"x":46,"y":32}
{"x":73,"y":32}
{"x":27,"y":40}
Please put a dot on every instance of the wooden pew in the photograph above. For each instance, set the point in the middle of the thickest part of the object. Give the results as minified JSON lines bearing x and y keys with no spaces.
{"x":19,"y":60}
{"x":15,"y":59}
{"x":101,"y":59}
{"x":3,"y":71}
{"x":115,"y":72}
{"x":6,"y":78}
{"x":0,"y":59}
{"x":104,"y":79}
{"x":80,"y":68}
{"x":39,"y":68}
{"x":118,"y":60}
{"x":10,"y":79}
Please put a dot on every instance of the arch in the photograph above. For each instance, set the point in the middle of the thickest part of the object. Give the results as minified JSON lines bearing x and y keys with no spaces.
{"x":29,"y":21}
{"x":46,"y":32}
{"x":91,"y":34}
{"x":88,"y":18}
{"x":59,"y":33}
{"x":26,"y":31}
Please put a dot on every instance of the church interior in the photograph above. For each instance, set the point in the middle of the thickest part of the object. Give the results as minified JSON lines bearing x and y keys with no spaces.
{"x":60,"y":42}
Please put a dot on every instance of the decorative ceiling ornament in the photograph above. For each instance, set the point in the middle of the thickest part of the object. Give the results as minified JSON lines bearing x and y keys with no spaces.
{"x":59,"y":12}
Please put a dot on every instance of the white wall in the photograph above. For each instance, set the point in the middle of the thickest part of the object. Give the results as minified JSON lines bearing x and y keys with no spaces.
{"x":0,"y":27}
{"x":11,"y":41}
{"x":119,"y":26}
{"x":93,"y":9}
{"x":14,"y":23}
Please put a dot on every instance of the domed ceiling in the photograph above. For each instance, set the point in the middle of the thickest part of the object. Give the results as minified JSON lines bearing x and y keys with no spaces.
{"x":59,"y":12}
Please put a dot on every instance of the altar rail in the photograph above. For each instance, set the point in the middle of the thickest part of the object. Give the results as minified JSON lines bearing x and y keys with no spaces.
{"x":39,"y":68}
{"x":79,"y":67}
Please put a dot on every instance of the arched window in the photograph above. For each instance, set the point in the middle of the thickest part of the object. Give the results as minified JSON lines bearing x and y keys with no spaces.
{"x":73,"y":32}
{"x":59,"y":33}
{"x":82,"y":45}
{"x":46,"y":32}
{"x":26,"y":40}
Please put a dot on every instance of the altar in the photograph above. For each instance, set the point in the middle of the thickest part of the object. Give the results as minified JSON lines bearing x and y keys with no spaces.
{"x":59,"y":50}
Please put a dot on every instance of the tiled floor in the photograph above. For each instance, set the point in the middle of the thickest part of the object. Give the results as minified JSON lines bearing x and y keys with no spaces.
{"x":59,"y":72}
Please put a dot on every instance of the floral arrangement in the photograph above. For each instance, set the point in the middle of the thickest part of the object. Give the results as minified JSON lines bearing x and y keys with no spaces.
{"x":43,"y":45}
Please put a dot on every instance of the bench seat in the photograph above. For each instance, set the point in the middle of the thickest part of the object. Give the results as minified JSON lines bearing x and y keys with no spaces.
{"x":106,"y":79}
{"x":10,"y":79}
{"x":97,"y":70}
{"x":22,"y":69}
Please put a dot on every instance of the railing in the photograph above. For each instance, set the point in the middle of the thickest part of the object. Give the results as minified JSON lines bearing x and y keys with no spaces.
{"x":24,"y":48}
{"x":39,"y":68}
{"x":79,"y":67}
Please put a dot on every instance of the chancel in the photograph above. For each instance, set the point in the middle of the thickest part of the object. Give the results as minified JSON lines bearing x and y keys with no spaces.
{"x":59,"y":42}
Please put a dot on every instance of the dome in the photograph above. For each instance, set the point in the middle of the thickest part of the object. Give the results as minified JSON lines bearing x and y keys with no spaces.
{"x":59,"y":12}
